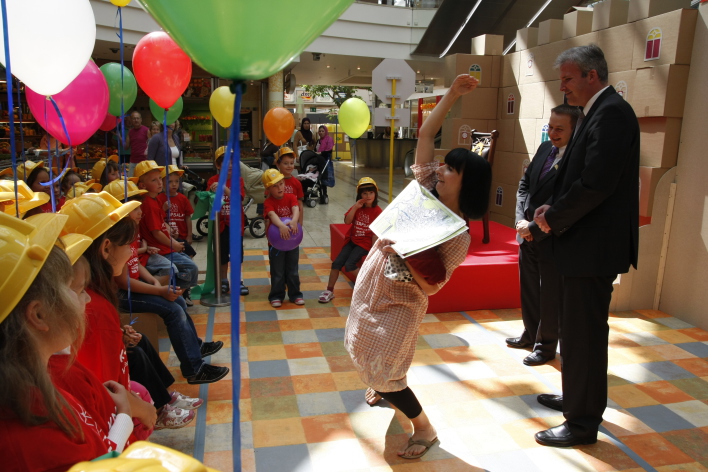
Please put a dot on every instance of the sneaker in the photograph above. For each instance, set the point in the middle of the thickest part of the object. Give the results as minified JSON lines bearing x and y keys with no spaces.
{"x":208,"y":374}
{"x":188,"y":297}
{"x":211,"y":348}
{"x":173,"y":418}
{"x":299,"y":301}
{"x":244,"y":289}
{"x":276,"y":303}
{"x":184,"y":402}
{"x":326,"y":296}
{"x":225,"y":288}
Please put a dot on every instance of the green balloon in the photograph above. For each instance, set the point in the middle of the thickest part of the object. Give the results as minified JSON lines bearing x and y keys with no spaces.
{"x":173,"y":113}
{"x":243,"y":39}
{"x":129,"y":90}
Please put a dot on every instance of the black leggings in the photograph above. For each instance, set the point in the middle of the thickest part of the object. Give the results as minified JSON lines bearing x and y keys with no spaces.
{"x":147,"y":368}
{"x":405,"y":400}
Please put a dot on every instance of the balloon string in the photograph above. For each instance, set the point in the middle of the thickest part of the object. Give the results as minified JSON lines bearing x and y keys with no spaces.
{"x":173,"y":279}
{"x":19,"y":115}
{"x":8,"y":79}
{"x":52,"y":180}
{"x":235,"y":248}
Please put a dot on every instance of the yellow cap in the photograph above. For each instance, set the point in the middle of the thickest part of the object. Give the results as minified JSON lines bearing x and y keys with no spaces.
{"x":117,"y":189}
{"x":146,"y":166}
{"x":282,"y":152}
{"x":100,"y":166}
{"x":271,"y":177}
{"x":80,"y":188}
{"x":135,"y":180}
{"x":24,"y":247}
{"x":219,"y":152}
{"x":93,"y":214}
{"x":171,"y":169}
{"x":23,"y":170}
{"x":74,"y":244}
{"x":26,"y":198}
{"x":366,"y":181}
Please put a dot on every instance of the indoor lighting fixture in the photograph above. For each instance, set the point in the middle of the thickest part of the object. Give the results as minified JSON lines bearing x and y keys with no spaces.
{"x":538,"y":13}
{"x":358,"y":68}
{"x":474,"y":8}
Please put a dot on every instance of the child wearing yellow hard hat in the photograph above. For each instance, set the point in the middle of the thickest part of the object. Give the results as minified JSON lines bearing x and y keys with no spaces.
{"x":359,"y":238}
{"x":180,"y":210}
{"x":285,"y":161}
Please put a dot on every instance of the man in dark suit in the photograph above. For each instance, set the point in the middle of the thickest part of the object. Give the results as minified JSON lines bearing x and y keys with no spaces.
{"x":538,"y":276}
{"x":594,"y":221}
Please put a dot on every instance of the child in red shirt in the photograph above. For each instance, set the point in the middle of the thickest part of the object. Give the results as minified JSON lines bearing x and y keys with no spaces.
{"x":359,"y":238}
{"x":225,"y":221}
{"x":285,"y":161}
{"x":283,"y":264}
{"x":180,"y":211}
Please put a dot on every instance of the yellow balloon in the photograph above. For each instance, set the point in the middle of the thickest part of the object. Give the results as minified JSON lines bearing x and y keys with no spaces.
{"x":354,"y":117}
{"x":221,"y":104}
{"x":120,"y":3}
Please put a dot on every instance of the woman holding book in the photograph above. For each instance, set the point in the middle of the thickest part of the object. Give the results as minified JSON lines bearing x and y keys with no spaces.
{"x":385,"y":314}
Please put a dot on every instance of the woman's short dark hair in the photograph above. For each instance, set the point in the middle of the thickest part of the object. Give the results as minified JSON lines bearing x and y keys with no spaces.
{"x":476,"y":181}
{"x":366,"y":188}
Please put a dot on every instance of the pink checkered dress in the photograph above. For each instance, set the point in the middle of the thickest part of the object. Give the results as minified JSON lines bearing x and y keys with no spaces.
{"x":382,"y":328}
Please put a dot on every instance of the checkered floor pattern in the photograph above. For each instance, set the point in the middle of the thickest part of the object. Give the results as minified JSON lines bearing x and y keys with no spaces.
{"x":302,"y":404}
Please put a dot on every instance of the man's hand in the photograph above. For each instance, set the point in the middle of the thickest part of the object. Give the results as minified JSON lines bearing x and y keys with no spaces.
{"x":522,"y":227}
{"x":539,"y":217}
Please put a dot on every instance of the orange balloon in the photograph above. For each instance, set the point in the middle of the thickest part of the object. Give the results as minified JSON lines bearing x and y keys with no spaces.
{"x":279,"y":125}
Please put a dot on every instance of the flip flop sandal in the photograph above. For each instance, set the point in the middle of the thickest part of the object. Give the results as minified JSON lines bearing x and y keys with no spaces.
{"x":419,"y":442}
{"x":375,"y":402}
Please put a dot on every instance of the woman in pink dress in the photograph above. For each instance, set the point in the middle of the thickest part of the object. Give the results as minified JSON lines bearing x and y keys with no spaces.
{"x":382,"y":328}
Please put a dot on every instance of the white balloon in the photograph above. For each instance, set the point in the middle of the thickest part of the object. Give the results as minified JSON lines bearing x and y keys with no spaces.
{"x":50,"y":41}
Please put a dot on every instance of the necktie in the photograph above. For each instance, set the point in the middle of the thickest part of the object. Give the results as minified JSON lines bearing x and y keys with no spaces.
{"x":549,"y":162}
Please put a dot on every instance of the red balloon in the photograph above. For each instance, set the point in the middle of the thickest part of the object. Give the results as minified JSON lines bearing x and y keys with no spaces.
{"x":83,"y":104}
{"x":161,"y":68}
{"x":109,"y":123}
{"x":278,"y":125}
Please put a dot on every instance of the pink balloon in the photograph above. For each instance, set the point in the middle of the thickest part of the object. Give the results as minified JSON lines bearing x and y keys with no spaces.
{"x":83,"y":104}
{"x":109,"y":123}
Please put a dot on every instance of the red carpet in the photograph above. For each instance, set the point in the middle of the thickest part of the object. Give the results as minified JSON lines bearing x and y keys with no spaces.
{"x":487,"y":280}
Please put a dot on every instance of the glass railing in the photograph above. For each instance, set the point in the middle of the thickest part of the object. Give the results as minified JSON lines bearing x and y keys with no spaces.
{"x":405,"y":3}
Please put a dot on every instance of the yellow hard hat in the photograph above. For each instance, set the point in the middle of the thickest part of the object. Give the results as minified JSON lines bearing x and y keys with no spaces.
{"x":26,"y":198}
{"x":117,"y":189}
{"x":23,"y":170}
{"x":80,"y":188}
{"x":171,"y":169}
{"x":24,"y":247}
{"x":146,"y":166}
{"x":271,"y":177}
{"x":93,"y":214}
{"x":282,"y":152}
{"x":74,"y":244}
{"x":100,"y":166}
{"x":219,"y":152}
{"x":366,"y":181}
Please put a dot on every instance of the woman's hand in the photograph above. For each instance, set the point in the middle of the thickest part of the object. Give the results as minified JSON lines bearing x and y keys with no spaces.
{"x":464,"y":84}
{"x":386,"y":246}
{"x":142,"y":410}
{"x":170,"y":293}
{"x":120,"y":397}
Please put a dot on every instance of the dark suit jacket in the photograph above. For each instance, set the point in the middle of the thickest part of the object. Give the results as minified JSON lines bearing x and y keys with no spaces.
{"x":533,"y":192}
{"x":594,"y":215}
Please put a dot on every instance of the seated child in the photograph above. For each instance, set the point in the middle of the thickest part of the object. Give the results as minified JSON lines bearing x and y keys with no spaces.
{"x":180,"y":210}
{"x":36,"y":176}
{"x":359,"y":238}
{"x":283,"y":264}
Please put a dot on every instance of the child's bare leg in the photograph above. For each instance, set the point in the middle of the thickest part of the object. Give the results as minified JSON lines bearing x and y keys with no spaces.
{"x":333,"y":276}
{"x":422,"y":429}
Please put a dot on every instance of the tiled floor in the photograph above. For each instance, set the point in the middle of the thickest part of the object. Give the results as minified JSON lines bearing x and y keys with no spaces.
{"x":302,"y":407}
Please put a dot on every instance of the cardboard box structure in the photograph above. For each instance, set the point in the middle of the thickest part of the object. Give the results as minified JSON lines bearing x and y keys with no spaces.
{"x":505,"y":142}
{"x":624,"y":83}
{"x":659,"y":141}
{"x":640,"y":9}
{"x":664,"y":39}
{"x":552,"y":97}
{"x":526,"y":38}
{"x":609,"y":13}
{"x":480,"y":105}
{"x":550,"y":31}
{"x":439,"y":155}
{"x":578,"y":22}
{"x":502,"y":199}
{"x":618,"y":45}
{"x":487,"y":69}
{"x":501,"y":219}
{"x":457,"y":132}
{"x":660,"y":91}
{"x":510,"y":69}
{"x":488,"y":45}
{"x":648,"y":179}
{"x":509,"y":167}
{"x":532,"y":96}
{"x":525,"y":136}
{"x":509,"y":102}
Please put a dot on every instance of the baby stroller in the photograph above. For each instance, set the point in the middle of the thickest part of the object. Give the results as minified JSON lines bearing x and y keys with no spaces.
{"x":311,"y":162}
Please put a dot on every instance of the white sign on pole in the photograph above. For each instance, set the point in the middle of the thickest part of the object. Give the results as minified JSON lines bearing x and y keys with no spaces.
{"x":382,"y":117}
{"x":393,"y":69}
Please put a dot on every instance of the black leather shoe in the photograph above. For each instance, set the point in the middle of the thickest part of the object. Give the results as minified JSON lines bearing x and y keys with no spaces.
{"x":554,"y":402}
{"x":518,"y":343}
{"x":536,"y":358}
{"x":560,"y":436}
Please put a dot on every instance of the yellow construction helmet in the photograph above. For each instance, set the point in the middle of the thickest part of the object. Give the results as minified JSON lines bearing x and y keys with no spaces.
{"x":24,"y":248}
{"x":93,"y":214}
{"x":171,"y":169}
{"x":282,"y":152}
{"x":117,"y":189}
{"x":146,"y":166}
{"x":100,"y":166}
{"x":23,"y":170}
{"x":26,"y":198}
{"x":73,"y":244}
{"x":366,"y":181}
{"x":219,"y":152}
{"x":80,"y":188}
{"x":271,"y":177}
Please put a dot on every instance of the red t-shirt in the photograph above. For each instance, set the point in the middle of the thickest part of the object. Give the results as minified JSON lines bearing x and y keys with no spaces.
{"x":134,"y":261}
{"x":103,"y":351}
{"x":138,"y":143}
{"x":292,"y":185}
{"x":359,"y":232}
{"x":45,"y":447}
{"x":282,"y":207}
{"x":153,"y":219}
{"x":225,"y":213}
{"x":180,"y":209}
{"x":47,"y":207}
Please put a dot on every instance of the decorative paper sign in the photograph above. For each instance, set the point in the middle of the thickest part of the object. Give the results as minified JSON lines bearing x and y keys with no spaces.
{"x":464,"y":136}
{"x":510,"y":102}
{"x":544,"y":134}
{"x":529,"y":65}
{"x":622,"y":89}
{"x":653,"y":47}
{"x":476,"y":72}
{"x":499,"y":200}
